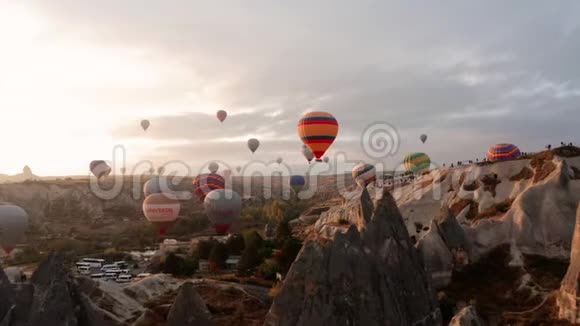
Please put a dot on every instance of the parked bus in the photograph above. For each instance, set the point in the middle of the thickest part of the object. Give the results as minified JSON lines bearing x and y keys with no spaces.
{"x":95,"y":262}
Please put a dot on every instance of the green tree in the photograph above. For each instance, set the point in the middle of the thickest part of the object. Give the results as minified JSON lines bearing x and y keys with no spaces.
{"x":250,"y":259}
{"x":218,"y":255}
{"x":204,"y":248}
{"x":283,"y":232}
{"x":253,"y":239}
{"x":268,"y":269}
{"x":235,"y":244}
{"x":172,"y":264}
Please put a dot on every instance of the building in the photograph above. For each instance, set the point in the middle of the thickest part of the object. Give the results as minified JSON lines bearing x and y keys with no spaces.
{"x":232,"y":264}
{"x":203,"y":266}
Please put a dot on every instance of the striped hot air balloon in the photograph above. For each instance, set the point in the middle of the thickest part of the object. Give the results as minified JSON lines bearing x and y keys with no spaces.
{"x":416,"y":162}
{"x":503,"y":152}
{"x":364,"y":174}
{"x":203,"y":184}
{"x":318,"y":131}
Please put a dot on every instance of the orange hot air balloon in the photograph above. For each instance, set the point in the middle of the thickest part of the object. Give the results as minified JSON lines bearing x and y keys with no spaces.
{"x":161,"y":210}
{"x":221,"y":115}
{"x":318,"y":131}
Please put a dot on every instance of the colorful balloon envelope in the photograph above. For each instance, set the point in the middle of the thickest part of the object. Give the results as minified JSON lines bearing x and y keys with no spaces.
{"x":145,"y":124}
{"x":503,"y":152}
{"x":318,"y":131}
{"x":221,"y":115}
{"x":205,"y":183}
{"x":364,"y":174}
{"x":307,"y":153}
{"x":416,"y":162}
{"x":13,"y":226}
{"x":161,"y":210}
{"x":297,"y":183}
{"x":100,"y":168}
{"x":253,"y":144}
{"x":223,"y":208}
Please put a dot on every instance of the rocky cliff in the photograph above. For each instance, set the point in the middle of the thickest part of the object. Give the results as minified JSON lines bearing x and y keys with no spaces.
{"x":358,"y":267}
{"x":51,"y":298}
{"x":569,"y":295}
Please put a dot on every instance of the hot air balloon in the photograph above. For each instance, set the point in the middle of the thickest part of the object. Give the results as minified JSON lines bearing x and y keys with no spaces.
{"x":205,"y":183}
{"x":13,"y":225}
{"x":307,"y":153}
{"x":318,"y":131}
{"x":416,"y":162}
{"x":279,"y":160}
{"x":156,"y":185}
{"x":223,"y":208}
{"x":221,"y":115}
{"x":503,"y":152}
{"x":160,"y":170}
{"x":145,"y":124}
{"x":297,"y":183}
{"x":213,"y":167}
{"x":151,"y":171}
{"x":123,"y":170}
{"x":326,"y":159}
{"x":423,"y":138}
{"x":253,"y":144}
{"x":364,"y":174}
{"x":239,"y":169}
{"x":100,"y":168}
{"x":161,"y":210}
{"x":227,"y":173}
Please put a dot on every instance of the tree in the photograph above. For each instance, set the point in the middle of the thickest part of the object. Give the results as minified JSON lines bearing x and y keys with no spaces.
{"x":218,"y":256}
{"x":268,"y":269}
{"x":172,"y":264}
{"x":250,"y":259}
{"x":283,"y":231}
{"x":235,"y":244}
{"x":253,"y":239}
{"x":204,"y":248}
{"x":290,"y":250}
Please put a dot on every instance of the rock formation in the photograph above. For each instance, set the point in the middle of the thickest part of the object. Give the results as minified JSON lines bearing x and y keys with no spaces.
{"x":51,"y":298}
{"x":188,"y":309}
{"x":467,"y":317}
{"x":362,"y":270}
{"x":569,"y":294}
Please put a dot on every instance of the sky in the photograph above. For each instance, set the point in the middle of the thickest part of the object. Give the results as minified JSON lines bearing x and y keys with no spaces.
{"x":77,"y":77}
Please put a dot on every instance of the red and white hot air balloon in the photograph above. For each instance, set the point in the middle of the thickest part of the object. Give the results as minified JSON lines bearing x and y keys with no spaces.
{"x":161,"y":210}
{"x":223,"y":208}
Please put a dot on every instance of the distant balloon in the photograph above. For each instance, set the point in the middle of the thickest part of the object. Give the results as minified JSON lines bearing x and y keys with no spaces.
{"x":161,"y":210}
{"x":156,"y":185}
{"x":297,"y":183}
{"x":205,"y":183}
{"x":318,"y":131}
{"x":160,"y":170}
{"x":227,"y":173}
{"x":13,"y":226}
{"x":307,"y":153}
{"x":423,"y":138}
{"x":503,"y":152}
{"x":326,"y":159}
{"x":213,"y":167}
{"x":100,"y":168}
{"x":364,"y":174}
{"x":416,"y":162}
{"x":145,"y":124}
{"x":223,"y":208}
{"x":253,"y":144}
{"x":239,"y":169}
{"x":221,"y":115}
{"x":151,"y":171}
{"x":123,"y":170}
{"x":279,"y":160}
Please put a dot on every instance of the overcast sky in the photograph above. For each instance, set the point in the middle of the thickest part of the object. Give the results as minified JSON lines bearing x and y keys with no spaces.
{"x":76,"y":78}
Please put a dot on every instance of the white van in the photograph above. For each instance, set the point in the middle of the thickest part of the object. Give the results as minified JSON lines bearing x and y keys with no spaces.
{"x":79,"y":264}
{"x":97,"y":276}
{"x":108,"y":267}
{"x":95,"y":262}
{"x":84,"y":270}
{"x":124,"y":278}
{"x":110,"y":276}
